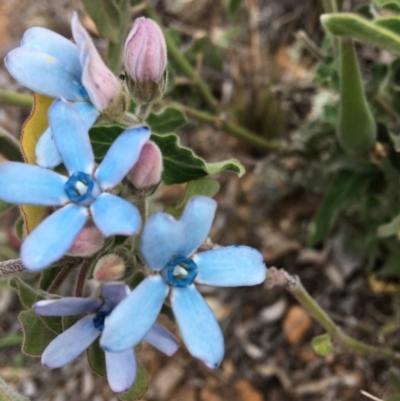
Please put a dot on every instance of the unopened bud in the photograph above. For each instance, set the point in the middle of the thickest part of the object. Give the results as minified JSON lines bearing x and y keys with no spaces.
{"x":147,"y":171}
{"x":146,"y":61}
{"x":109,"y":268}
{"x":89,"y":241}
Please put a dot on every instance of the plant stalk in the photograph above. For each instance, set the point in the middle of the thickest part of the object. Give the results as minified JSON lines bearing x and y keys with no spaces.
{"x":279,"y":277}
{"x":185,"y":66}
{"x":233,"y":128}
{"x":16,"y":99}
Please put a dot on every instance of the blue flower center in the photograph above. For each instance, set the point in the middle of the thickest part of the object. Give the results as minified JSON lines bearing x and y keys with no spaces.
{"x":82,"y":189}
{"x":179,"y":272}
{"x":99,"y":318}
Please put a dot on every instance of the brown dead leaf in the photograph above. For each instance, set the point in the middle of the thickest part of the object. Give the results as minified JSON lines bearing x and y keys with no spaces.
{"x":296,"y":323}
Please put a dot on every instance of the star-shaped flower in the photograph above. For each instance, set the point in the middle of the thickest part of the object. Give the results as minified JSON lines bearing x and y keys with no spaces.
{"x":85,"y":193}
{"x":121,"y":366}
{"x":49,"y":64}
{"x":168,"y":247}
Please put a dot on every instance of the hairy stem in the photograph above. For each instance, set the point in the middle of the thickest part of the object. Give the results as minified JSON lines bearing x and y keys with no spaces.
{"x":234,"y":129}
{"x":279,"y":277}
{"x":185,"y":66}
{"x":16,"y":99}
{"x":11,"y":267}
{"x":80,"y":282}
{"x":114,"y":50}
{"x":56,"y":284}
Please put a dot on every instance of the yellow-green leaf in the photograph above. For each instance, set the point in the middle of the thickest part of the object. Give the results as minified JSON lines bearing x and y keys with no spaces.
{"x":322,"y":344}
{"x":32,"y":130}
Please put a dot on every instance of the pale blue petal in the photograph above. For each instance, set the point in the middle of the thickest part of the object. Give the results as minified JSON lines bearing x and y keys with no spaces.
{"x":52,"y":238}
{"x":66,"y":306}
{"x":114,"y":215}
{"x":70,"y":344}
{"x":47,"y":154}
{"x":162,"y":339}
{"x":199,"y":328}
{"x":231,"y":266}
{"x":196,"y":220}
{"x":121,"y":370}
{"x":31,"y":185}
{"x":134,"y":316}
{"x":88,"y":113}
{"x":71,"y":137}
{"x":55,"y":45}
{"x":44,"y":74}
{"x":162,"y":237}
{"x":114,"y":293}
{"x":121,"y":157}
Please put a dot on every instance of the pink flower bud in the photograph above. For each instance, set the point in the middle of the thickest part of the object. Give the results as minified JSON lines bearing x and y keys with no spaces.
{"x":89,"y":241}
{"x":109,"y":268}
{"x":146,"y":60}
{"x":103,"y":87}
{"x":147,"y":171}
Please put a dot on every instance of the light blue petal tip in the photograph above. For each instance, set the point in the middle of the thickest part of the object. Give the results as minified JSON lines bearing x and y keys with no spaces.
{"x":122,"y":156}
{"x":196,"y":220}
{"x":52,"y":238}
{"x":114,"y":215}
{"x":231,"y":266}
{"x":128,"y":324}
{"x":161,"y":239}
{"x":202,"y":334}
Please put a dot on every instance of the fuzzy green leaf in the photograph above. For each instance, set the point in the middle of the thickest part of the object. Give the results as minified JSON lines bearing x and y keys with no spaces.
{"x":168,"y":120}
{"x":102,"y":138}
{"x":37,"y":334}
{"x":345,"y":188}
{"x":393,"y":5}
{"x":97,"y":359}
{"x":356,"y":125}
{"x":392,"y":23}
{"x":322,"y":344}
{"x":27,"y":294}
{"x":106,"y":15}
{"x":19,"y":228}
{"x":351,"y":25}
{"x":8,"y":394}
{"x":204,"y":186}
{"x":139,"y":388}
{"x":4,"y":206}
{"x":180,"y":163}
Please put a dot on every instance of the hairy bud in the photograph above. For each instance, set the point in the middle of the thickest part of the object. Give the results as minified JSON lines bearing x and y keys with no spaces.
{"x":109,"y":268}
{"x":89,"y":241}
{"x":147,"y":171}
{"x":146,"y":61}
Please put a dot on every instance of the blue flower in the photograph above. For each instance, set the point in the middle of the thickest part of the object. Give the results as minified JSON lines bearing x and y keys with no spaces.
{"x":168,"y":245}
{"x":83,"y":194}
{"x":121,"y":366}
{"x":49,"y":64}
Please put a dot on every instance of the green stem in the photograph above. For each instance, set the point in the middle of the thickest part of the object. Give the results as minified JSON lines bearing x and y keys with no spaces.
{"x":294,"y":285}
{"x":114,"y":50}
{"x":15,"y":99}
{"x":186,"y":67}
{"x":234,"y":129}
{"x":329,"y":6}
